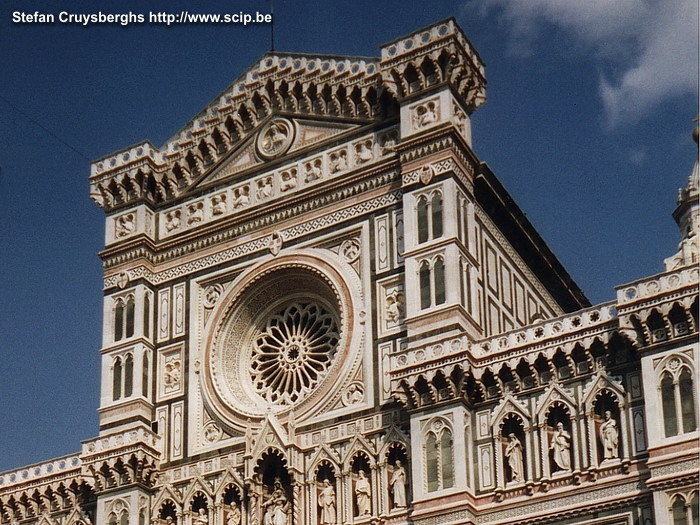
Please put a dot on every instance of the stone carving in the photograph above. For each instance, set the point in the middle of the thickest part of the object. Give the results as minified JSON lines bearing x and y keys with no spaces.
{"x":212,"y":294}
{"x":293,"y":352}
{"x":276,"y":506}
{"x":275,"y":243}
{"x":350,"y":250}
{"x":122,"y":279}
{"x":241,"y":197}
{"x":233,"y":515}
{"x":313,"y":170}
{"x":200,"y":518}
{"x":288,"y":179}
{"x":125,"y":225}
{"x":363,"y":495}
{"x":398,"y":485}
{"x":195,"y":213}
{"x":388,"y":143}
{"x":212,"y":432}
{"x":172,"y":375}
{"x":514,"y":455}
{"x":338,"y":161}
{"x":425,"y":114}
{"x":326,"y":500}
{"x":426,"y":174}
{"x":394,"y":308}
{"x":172,"y":220}
{"x":609,"y":437}
{"x":561,"y":447}
{"x":354,"y":394}
{"x":218,"y":205}
{"x":265,"y":188}
{"x":275,"y":138}
{"x":363,"y":151}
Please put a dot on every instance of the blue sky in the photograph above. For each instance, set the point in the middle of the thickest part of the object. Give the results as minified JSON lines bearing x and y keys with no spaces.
{"x":587,"y":124}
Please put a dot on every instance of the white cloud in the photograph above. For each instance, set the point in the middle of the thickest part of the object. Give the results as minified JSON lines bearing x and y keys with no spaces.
{"x":651,"y":45}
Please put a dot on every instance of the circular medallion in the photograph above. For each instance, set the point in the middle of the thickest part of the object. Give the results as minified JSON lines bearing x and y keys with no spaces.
{"x":281,"y":339}
{"x":275,"y":138}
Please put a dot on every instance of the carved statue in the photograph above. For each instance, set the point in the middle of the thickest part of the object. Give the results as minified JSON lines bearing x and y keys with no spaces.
{"x":196,"y":213}
{"x":363,"y":495}
{"x":172,"y":374}
{"x":609,"y":436}
{"x":338,"y":162}
{"x":276,"y":506}
{"x":313,"y":171}
{"x":218,"y":205}
{"x":289,"y":180}
{"x":561,"y":447}
{"x":394,"y":307}
{"x":265,"y":188}
{"x":514,"y":454}
{"x":125,"y":225}
{"x":172,"y":220}
{"x":364,"y":151}
{"x":241,"y":197}
{"x":233,"y":515}
{"x":398,"y":485}
{"x":326,"y":500}
{"x":201,"y":517}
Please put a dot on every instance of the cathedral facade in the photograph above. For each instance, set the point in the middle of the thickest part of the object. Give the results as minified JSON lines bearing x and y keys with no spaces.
{"x":321,"y":308}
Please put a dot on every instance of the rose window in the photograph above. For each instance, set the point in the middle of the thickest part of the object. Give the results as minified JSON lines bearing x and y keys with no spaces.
{"x":293,"y":352}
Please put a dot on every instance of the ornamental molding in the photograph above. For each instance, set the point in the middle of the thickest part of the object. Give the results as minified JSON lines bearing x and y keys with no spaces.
{"x":262,"y":243}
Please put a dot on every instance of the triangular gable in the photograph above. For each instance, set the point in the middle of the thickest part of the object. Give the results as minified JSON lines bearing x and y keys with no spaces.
{"x":510,"y":405}
{"x":394,"y":435}
{"x":167,"y":493}
{"x":323,"y":453}
{"x":602,"y":381}
{"x":359,"y":444}
{"x":553,"y":393}
{"x":271,"y":435}
{"x":246,"y":156}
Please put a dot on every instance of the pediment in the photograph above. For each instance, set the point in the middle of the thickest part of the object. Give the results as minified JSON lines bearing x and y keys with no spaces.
{"x":248,"y":155}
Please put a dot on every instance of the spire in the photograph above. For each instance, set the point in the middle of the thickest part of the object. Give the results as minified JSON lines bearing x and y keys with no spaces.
{"x":687,"y":215}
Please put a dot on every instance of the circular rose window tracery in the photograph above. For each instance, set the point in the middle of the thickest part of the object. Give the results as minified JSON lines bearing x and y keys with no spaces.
{"x":293,"y":352}
{"x":280,"y":340}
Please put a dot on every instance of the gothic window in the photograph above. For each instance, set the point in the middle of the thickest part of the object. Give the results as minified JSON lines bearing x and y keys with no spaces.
{"x":423,"y":220}
{"x":436,"y":208}
{"x":118,"y":320}
{"x":123,"y":318}
{"x":130,"y":316}
{"x":432,"y":283}
{"x":124,"y":519}
{"x":683,"y":513}
{"x":429,"y":215}
{"x":439,"y":460}
{"x":668,"y":403}
{"x":677,"y":398}
{"x":424,"y":277}
{"x":128,"y":375}
{"x":112,"y":519}
{"x":117,"y":379}
{"x":439,"y":272}
{"x":144,"y":375}
{"x":147,"y":315}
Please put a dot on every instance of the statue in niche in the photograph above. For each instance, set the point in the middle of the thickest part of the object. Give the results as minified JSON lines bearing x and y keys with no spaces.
{"x":561,"y":447}
{"x":196,"y":213}
{"x":126,"y":224}
{"x":326,"y":500}
{"x":338,"y":162}
{"x":609,"y":436}
{"x":218,"y":205}
{"x":241,"y":197}
{"x":364,"y":151}
{"x":426,"y":115}
{"x":265,"y":188}
{"x":514,"y":455}
{"x":394,"y":307}
{"x":172,"y":220}
{"x":313,"y":171}
{"x":289,"y":180}
{"x":172,"y":374}
{"x":233,"y":515}
{"x":363,"y":494}
{"x":398,"y":485}
{"x":276,"y":506}
{"x":201,"y":517}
